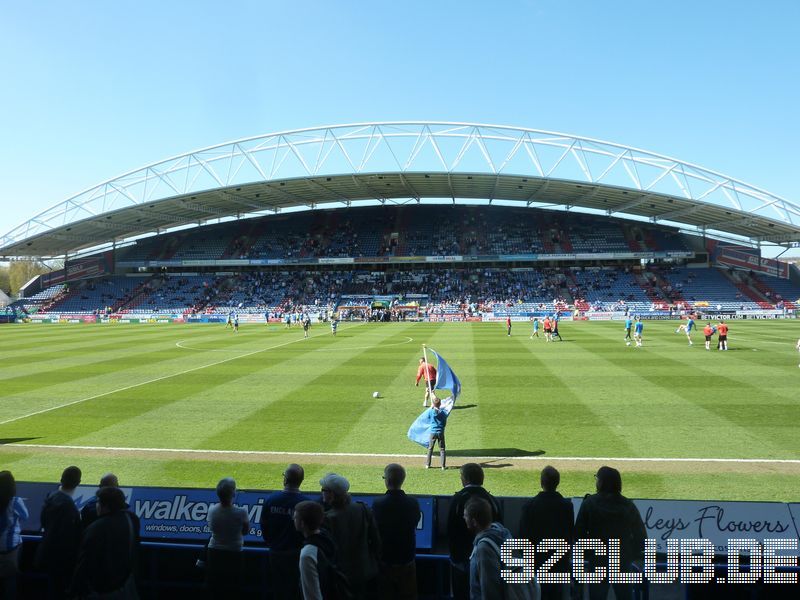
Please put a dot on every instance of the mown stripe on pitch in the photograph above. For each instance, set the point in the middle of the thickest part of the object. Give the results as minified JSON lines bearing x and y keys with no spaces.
{"x":697,"y":391}
{"x":317,"y":411}
{"x":123,"y":404}
{"x":382,"y":424}
{"x":68,"y":354}
{"x":566,"y":421}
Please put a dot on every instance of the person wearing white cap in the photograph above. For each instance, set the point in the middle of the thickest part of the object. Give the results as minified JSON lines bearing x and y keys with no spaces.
{"x":352,"y":526}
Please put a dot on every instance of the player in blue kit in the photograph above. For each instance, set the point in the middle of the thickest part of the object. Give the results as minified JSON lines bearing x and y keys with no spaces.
{"x":687,"y":328}
{"x":637,"y":332}
{"x":535,"y":328}
{"x":628,"y":325}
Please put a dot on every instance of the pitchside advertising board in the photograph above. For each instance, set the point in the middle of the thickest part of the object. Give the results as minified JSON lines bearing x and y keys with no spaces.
{"x":182,"y":514}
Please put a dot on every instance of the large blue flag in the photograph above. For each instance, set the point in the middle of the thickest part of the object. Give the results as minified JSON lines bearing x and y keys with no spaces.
{"x":445,"y":378}
{"x":420,"y":429}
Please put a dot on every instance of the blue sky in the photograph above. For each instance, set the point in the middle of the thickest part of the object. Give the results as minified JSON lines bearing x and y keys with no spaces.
{"x":94,"y":89}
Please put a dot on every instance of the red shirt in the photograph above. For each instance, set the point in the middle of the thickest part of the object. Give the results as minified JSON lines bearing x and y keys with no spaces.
{"x":428,"y":371}
{"x":723,"y":329}
{"x":707,"y":330}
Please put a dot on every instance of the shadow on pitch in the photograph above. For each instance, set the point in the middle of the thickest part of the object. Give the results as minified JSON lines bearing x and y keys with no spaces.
{"x":504,"y":452}
{"x":6,"y":441}
{"x":464,"y":406}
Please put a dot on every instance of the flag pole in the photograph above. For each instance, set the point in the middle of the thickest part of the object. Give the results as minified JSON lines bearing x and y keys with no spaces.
{"x":427,"y":381}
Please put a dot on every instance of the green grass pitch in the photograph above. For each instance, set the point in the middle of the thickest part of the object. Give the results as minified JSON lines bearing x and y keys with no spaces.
{"x":96,"y":392}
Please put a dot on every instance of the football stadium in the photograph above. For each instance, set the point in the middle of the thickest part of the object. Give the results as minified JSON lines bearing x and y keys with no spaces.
{"x":282,"y":299}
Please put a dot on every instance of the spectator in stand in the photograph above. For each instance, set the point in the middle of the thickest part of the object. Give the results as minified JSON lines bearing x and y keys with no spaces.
{"x":89,"y":510}
{"x":460,"y":539}
{"x":396,"y":516}
{"x":12,"y":512}
{"x":608,"y":515}
{"x":106,"y":565}
{"x":485,"y":581}
{"x":550,"y":516}
{"x":318,"y":553}
{"x":279,"y":533}
{"x":228,"y":524}
{"x":61,"y":525}
{"x":352,"y":527}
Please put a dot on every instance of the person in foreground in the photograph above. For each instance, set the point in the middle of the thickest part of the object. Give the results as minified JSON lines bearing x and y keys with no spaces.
{"x":12,"y":512}
{"x":608,"y":515}
{"x":318,"y":552}
{"x":228,"y":524}
{"x":485,"y":565}
{"x":61,"y":535}
{"x":460,"y":539}
{"x":397,"y":515}
{"x":106,"y":562}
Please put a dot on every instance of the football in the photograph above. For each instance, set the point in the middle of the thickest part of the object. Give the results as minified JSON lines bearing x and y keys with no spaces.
{"x":376,"y":394}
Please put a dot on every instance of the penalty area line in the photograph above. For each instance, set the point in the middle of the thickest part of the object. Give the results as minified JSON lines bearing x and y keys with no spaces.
{"x":379,"y":455}
{"x":149,"y":381}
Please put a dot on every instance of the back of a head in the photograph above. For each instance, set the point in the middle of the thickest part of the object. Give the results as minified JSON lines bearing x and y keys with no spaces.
{"x":294,"y":475}
{"x":471,"y":474}
{"x":609,"y":480}
{"x":8,"y":489}
{"x":71,"y":478}
{"x":310,"y":514}
{"x":550,"y":478}
{"x":394,"y":475}
{"x":109,"y":480}
{"x":111,"y":499}
{"x":226,"y":489}
{"x":479,"y":510}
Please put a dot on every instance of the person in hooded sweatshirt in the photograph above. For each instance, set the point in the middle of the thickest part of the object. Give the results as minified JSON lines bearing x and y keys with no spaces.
{"x":318,"y":551}
{"x":485,"y":582}
{"x":608,"y":515}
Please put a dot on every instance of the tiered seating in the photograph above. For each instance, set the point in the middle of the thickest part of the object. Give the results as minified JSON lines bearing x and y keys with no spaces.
{"x":782,"y":289}
{"x":39,"y":300}
{"x":95,"y":294}
{"x":605,"y":288}
{"x":174,"y":295}
{"x":708,"y":285}
{"x":598,"y":237}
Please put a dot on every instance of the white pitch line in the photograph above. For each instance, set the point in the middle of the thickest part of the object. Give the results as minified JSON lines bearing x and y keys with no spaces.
{"x":791,"y":461}
{"x":135,"y":385}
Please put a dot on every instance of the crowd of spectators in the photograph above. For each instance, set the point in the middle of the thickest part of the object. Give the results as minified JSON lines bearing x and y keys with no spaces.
{"x":402,"y":231}
{"x":324,"y":545}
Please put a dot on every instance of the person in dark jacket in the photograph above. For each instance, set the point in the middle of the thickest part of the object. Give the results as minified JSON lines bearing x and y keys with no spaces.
{"x":352,"y":527}
{"x":550,"y":516}
{"x":318,"y":553}
{"x":460,"y":539}
{"x":61,"y":525}
{"x":108,"y":551}
{"x":89,"y":510}
{"x":397,"y":515}
{"x":608,"y":515}
{"x":279,"y":533}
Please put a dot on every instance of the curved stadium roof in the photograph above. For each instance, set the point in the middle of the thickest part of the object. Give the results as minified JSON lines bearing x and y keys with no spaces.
{"x":398,"y":162}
